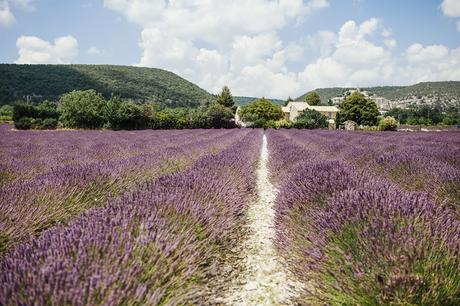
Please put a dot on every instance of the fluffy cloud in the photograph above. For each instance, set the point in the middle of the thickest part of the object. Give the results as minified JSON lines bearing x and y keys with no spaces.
{"x":354,"y":60}
{"x":451,"y":8}
{"x":93,"y":51}
{"x":33,"y":50}
{"x":220,"y":42}
{"x":6,"y":16}
{"x":237,"y":43}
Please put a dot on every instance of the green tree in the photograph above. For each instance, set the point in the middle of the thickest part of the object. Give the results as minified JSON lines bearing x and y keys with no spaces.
{"x":82,"y":109}
{"x":47,"y":110}
{"x":6,"y":110}
{"x":388,"y":124}
{"x":311,"y":119}
{"x":220,"y":116}
{"x":399,"y":114}
{"x":171,"y":118}
{"x":21,"y":110}
{"x":225,"y":97}
{"x":313,"y":98}
{"x":358,"y":109}
{"x":261,"y":109}
{"x":198,"y":118}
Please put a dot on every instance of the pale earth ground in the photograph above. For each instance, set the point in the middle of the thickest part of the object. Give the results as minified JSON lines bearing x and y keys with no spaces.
{"x":264,"y":279}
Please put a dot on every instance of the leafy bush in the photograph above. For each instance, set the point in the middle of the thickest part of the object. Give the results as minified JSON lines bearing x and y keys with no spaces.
{"x":261,"y":109}
{"x":37,"y":123}
{"x":82,"y":109}
{"x":6,"y":111}
{"x":359,"y":109}
{"x":283,"y":124}
{"x":24,"y":110}
{"x":313,"y":98}
{"x":263,"y":124}
{"x":23,"y":123}
{"x":5,"y":119}
{"x":50,"y":123}
{"x":310,"y":119}
{"x":220,"y":116}
{"x":388,"y":124}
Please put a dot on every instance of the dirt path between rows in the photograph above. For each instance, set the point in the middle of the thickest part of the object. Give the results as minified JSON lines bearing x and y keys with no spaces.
{"x":264,"y":279}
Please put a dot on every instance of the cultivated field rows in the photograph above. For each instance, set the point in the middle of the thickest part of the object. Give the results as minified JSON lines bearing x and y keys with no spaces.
{"x":219,"y":217}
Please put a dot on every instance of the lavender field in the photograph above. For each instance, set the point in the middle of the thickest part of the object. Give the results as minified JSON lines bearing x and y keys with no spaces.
{"x":236,"y":217}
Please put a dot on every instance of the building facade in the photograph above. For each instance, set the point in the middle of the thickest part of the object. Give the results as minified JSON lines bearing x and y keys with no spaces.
{"x":294,"y":109}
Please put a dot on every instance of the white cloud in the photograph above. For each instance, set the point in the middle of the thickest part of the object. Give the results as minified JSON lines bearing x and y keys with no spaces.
{"x":451,"y":8}
{"x":240,"y":37}
{"x":93,"y":51}
{"x":33,"y":50}
{"x":7,"y":17}
{"x":390,"y":43}
{"x":357,"y":61}
{"x":238,"y":43}
{"x":323,"y":41}
{"x":418,"y":53}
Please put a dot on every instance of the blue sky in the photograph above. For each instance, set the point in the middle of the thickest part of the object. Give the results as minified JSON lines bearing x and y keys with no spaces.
{"x":259,"y":47}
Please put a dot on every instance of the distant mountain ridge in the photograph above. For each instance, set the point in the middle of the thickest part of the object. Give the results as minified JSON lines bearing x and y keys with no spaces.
{"x":240,"y":101}
{"x":42,"y":82}
{"x":442,"y":90}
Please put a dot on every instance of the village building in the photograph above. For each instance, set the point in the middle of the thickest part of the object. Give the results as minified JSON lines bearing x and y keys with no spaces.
{"x":294,"y":109}
{"x":382,"y":103}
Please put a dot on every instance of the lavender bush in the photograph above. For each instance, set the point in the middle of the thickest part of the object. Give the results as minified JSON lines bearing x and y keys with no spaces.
{"x":67,"y":186}
{"x":357,"y":238}
{"x":156,"y":245}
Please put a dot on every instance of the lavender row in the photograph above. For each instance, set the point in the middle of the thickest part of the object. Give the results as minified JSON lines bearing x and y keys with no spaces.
{"x":417,"y":162}
{"x":356,"y":239}
{"x":27,"y":207}
{"x":157,"y":245}
{"x":26,"y":154}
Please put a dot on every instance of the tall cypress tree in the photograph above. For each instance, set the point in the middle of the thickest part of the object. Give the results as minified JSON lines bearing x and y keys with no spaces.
{"x":225,"y":97}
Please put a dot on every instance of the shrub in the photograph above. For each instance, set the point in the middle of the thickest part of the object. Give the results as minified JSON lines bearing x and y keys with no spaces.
{"x":50,"y":123}
{"x":5,"y":119}
{"x":388,"y":124}
{"x":283,"y":124}
{"x":23,"y":123}
{"x":6,"y":110}
{"x":24,"y":110}
{"x":313,"y":98}
{"x":311,"y":119}
{"x":261,"y":109}
{"x":37,"y":123}
{"x":263,"y":124}
{"x":359,"y":109}
{"x":82,"y":109}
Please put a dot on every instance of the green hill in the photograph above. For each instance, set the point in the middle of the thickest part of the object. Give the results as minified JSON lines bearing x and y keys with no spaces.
{"x":240,"y":101}
{"x":449,"y":89}
{"x":42,"y":82}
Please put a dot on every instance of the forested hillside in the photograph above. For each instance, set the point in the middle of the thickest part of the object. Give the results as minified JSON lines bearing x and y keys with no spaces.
{"x":450,"y":89}
{"x":42,"y":82}
{"x":240,"y":101}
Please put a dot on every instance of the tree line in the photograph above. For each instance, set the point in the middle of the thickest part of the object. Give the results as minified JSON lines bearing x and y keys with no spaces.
{"x":88,"y":109}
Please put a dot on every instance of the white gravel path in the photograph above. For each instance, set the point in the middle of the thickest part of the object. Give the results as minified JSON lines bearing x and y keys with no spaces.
{"x":264,"y":279}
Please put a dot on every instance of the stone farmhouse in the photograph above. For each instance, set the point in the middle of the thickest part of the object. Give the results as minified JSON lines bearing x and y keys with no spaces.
{"x":293,"y":110}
